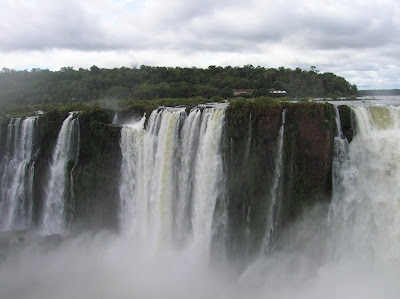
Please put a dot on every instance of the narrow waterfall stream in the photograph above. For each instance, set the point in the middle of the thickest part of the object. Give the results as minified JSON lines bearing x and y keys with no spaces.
{"x":17,"y":170}
{"x":276,"y":190}
{"x":66,"y":149}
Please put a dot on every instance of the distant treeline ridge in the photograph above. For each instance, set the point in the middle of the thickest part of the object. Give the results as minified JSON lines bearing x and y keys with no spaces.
{"x":40,"y":86}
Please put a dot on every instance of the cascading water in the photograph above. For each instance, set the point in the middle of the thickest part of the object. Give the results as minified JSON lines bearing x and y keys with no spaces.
{"x":366,"y":204}
{"x":276,"y":192}
{"x":132,"y":185}
{"x":171,"y":186}
{"x":115,"y":119}
{"x":249,"y":139}
{"x":207,"y":186}
{"x":17,"y":170}
{"x":188,"y":150}
{"x":339,"y":165}
{"x":66,"y":149}
{"x":171,"y":176}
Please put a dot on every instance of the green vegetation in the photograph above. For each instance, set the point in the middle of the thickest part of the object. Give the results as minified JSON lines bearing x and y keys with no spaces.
{"x":147,"y":83}
{"x":125,"y":106}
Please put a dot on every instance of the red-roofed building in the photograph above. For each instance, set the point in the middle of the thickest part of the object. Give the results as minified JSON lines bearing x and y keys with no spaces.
{"x":242,"y":92}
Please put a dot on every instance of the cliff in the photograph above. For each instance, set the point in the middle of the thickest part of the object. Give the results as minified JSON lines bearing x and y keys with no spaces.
{"x":277,"y":162}
{"x":3,"y":135}
{"x":308,"y":156}
{"x":346,"y":122}
{"x":94,"y":201}
{"x":92,"y":196}
{"x":268,"y":188}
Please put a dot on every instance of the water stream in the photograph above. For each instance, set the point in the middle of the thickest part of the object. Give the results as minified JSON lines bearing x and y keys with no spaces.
{"x":66,"y":149}
{"x":17,"y":170}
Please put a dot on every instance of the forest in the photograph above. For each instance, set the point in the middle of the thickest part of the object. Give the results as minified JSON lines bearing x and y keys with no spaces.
{"x":42,"y":86}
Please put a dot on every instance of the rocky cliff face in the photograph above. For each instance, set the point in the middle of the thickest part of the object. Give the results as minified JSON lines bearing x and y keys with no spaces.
{"x":308,"y":156}
{"x":92,"y":195}
{"x":95,"y":198}
{"x":266,"y":188}
{"x":346,"y":122}
{"x":3,"y":134}
{"x":262,"y":193}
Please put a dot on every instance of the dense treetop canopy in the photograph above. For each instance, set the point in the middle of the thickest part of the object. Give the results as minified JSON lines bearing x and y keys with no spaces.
{"x":41,"y":86}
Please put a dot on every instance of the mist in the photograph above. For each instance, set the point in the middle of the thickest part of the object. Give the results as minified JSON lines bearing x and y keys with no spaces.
{"x":345,"y":248}
{"x":110,"y":265}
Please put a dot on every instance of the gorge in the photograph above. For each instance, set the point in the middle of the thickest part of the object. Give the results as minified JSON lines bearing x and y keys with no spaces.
{"x":217,"y":200}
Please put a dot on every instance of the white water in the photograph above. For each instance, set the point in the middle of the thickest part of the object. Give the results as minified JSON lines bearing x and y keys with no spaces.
{"x":17,"y":170}
{"x":115,"y":119}
{"x":66,"y":149}
{"x":367,"y":202}
{"x":353,"y":254}
{"x":340,"y":166}
{"x":171,"y":176}
{"x":276,"y":192}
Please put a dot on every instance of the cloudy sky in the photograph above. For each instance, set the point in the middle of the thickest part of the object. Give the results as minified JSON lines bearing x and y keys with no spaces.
{"x":356,"y":39}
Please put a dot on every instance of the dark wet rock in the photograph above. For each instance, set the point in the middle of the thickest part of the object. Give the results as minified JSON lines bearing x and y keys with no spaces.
{"x":346,"y":122}
{"x":252,"y":134}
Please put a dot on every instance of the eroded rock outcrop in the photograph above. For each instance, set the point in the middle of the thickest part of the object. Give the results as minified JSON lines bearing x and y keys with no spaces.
{"x":259,"y":202}
{"x":309,"y":135}
{"x":94,"y":201}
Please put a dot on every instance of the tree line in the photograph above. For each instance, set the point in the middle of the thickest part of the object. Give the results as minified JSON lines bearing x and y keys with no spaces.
{"x":42,"y":86}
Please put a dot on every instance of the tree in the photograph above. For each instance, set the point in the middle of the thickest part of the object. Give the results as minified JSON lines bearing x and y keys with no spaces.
{"x":149,"y":82}
{"x":227,"y":93}
{"x":94,"y":70}
{"x":313,"y":68}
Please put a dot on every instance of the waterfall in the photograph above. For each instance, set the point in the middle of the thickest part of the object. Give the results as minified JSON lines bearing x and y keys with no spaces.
{"x":173,"y":211}
{"x":186,"y":176}
{"x":17,"y":169}
{"x":133,"y":213}
{"x":66,"y":150}
{"x":245,"y":163}
{"x":366,"y":202}
{"x":340,"y":164}
{"x":115,"y":119}
{"x":249,"y":139}
{"x":276,"y":192}
{"x":208,"y":177}
{"x":171,"y":176}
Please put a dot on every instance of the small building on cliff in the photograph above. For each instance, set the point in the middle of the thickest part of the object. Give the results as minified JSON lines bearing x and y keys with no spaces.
{"x":242,"y":93}
{"x":278,"y":93}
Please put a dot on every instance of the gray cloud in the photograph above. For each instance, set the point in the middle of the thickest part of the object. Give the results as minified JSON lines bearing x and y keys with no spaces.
{"x":359,"y":39}
{"x":40,"y":24}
